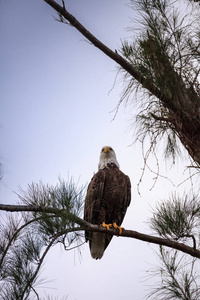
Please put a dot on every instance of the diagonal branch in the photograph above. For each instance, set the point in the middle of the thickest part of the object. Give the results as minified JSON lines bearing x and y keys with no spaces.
{"x":125,"y":233}
{"x":29,"y":283}
{"x":112,"y":54}
{"x":14,"y":237}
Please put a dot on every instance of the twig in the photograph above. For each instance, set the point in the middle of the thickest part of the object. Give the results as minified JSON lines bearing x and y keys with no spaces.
{"x":63,"y":2}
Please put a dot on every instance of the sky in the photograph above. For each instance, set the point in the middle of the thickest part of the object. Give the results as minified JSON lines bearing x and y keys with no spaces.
{"x":58,"y":96}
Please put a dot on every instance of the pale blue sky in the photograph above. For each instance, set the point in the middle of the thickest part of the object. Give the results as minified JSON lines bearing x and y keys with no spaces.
{"x":55,"y":115}
{"x":55,"y":88}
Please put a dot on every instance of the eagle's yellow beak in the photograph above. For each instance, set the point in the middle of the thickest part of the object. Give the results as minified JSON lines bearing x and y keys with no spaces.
{"x":106,"y":149}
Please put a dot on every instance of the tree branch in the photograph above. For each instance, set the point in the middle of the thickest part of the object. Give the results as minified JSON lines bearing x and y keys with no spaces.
{"x":112,"y":54}
{"x":161,"y":118}
{"x":97,"y":228}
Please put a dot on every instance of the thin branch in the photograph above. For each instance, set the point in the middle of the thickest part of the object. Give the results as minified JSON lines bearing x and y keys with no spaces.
{"x":38,"y":298}
{"x":42,"y":209}
{"x":97,"y":228}
{"x":160,"y":118}
{"x":29,"y":283}
{"x":170,"y":269}
{"x":192,"y":237}
{"x":63,"y":2}
{"x":112,"y":54}
{"x":14,"y":236}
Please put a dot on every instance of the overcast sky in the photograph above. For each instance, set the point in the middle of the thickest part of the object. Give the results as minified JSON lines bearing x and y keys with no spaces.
{"x":57,"y":101}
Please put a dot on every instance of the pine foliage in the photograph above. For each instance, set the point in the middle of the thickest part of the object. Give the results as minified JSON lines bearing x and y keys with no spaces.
{"x":166,"y":52}
{"x":179,"y":277}
{"x":26,"y":238}
{"x":177,"y":219}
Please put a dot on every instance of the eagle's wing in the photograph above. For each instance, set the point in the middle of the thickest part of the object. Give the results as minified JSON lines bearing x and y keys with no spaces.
{"x":127,"y":198}
{"x":94,"y":199}
{"x":123,"y":202}
{"x":107,"y":199}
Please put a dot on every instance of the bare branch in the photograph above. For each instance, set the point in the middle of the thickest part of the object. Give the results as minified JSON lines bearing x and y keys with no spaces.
{"x":85,"y":225}
{"x":112,"y":54}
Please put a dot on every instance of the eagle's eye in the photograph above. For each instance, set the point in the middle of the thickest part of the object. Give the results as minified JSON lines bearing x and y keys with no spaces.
{"x":102,"y":149}
{"x":111,"y":149}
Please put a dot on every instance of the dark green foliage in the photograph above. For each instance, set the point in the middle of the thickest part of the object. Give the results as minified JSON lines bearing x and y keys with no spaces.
{"x":178,"y":278}
{"x":65,"y":197}
{"x":165,"y":51}
{"x":177,"y":218}
{"x":26,"y":238}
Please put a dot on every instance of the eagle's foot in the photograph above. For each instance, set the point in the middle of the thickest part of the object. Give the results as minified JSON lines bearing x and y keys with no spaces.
{"x":118,"y":227}
{"x":108,"y":226}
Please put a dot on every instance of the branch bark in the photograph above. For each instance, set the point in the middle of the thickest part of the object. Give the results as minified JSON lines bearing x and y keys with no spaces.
{"x":97,"y":228}
{"x":112,"y":54}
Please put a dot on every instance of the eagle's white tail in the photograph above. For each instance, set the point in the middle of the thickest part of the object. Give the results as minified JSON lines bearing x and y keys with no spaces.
{"x":97,"y":245}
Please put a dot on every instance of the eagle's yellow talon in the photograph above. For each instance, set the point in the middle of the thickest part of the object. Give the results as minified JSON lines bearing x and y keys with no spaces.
{"x":108,"y":226}
{"x":118,"y":227}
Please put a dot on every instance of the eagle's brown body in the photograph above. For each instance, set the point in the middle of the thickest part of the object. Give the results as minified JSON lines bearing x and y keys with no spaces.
{"x":107,"y":199}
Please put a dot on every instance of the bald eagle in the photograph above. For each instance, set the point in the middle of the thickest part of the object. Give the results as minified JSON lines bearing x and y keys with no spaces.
{"x":107,"y":199}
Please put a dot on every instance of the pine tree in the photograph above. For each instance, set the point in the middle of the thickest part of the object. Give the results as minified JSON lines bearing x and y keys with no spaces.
{"x":162,"y":64}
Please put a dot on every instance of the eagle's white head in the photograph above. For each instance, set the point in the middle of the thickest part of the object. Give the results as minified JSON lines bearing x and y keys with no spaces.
{"x":107,"y":156}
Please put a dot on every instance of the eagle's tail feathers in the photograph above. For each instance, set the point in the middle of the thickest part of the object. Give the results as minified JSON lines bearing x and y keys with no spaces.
{"x":97,"y":245}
